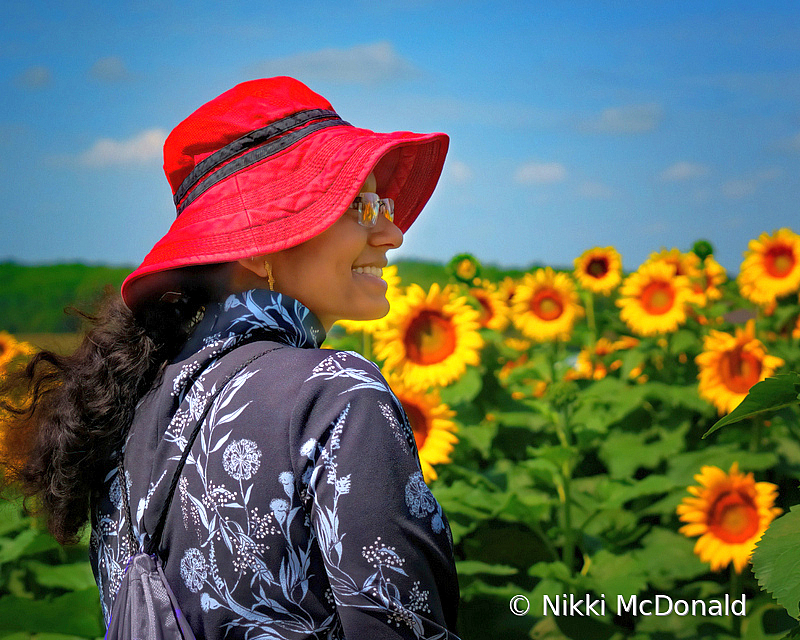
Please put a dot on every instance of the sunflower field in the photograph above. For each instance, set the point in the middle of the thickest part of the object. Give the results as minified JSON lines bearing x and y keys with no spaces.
{"x":618,"y":454}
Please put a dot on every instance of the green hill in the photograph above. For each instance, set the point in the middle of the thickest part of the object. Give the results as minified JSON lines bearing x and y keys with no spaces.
{"x":33,"y":298}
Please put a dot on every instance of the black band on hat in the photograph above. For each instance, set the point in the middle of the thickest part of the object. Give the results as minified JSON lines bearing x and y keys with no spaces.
{"x":251,"y":148}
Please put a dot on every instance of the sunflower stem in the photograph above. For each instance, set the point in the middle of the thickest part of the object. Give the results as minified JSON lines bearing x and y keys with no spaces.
{"x":546,"y":541}
{"x":756,"y":425}
{"x":569,"y":538}
{"x":736,"y":592}
{"x":366,"y":344}
{"x":564,"y":436}
{"x":672,"y":366}
{"x":590,"y":320}
{"x":556,"y":356}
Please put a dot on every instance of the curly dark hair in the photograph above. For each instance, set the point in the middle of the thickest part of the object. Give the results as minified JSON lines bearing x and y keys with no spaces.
{"x":68,"y":416}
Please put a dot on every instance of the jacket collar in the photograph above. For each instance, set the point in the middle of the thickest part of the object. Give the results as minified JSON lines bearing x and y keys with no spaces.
{"x":256,"y":314}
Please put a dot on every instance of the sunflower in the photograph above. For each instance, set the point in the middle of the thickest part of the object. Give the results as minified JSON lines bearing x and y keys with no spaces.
{"x":11,"y":348}
{"x":465,"y":267}
{"x":545,"y":305}
{"x":430,"y":420}
{"x":507,"y":288}
{"x":592,"y":363}
{"x":730,"y":512}
{"x":653,"y":299}
{"x":706,"y":284}
{"x":684,"y":264}
{"x":730,"y":365}
{"x":585,"y":368}
{"x":8,"y":348}
{"x":703,"y":249}
{"x":510,"y":365}
{"x":599,"y":270}
{"x":625,"y":342}
{"x":392,"y":294}
{"x":432,"y":338}
{"x":771,"y":267}
{"x":494,"y":311}
{"x":517,"y":344}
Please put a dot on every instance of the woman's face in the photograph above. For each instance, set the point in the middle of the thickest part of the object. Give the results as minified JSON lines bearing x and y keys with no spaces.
{"x":336,"y":273}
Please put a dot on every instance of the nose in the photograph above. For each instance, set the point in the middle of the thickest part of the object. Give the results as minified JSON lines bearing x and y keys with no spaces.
{"x":386,"y":234}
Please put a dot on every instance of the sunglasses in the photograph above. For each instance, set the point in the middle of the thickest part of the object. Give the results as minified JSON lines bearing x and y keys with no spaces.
{"x":370,"y":206}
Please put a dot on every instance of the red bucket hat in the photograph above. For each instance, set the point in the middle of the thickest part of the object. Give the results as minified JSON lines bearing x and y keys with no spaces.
{"x":268,"y":165}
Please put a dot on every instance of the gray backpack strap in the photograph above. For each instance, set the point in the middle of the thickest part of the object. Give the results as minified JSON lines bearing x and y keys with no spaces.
{"x":133,"y":543}
{"x":145,"y":608}
{"x":153,"y":542}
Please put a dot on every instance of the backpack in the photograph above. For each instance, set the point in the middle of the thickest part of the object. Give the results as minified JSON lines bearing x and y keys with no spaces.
{"x":145,"y":608}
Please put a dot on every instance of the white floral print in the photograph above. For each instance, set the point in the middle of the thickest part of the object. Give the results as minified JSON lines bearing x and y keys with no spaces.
{"x":280,"y":508}
{"x":307,"y":450}
{"x":241,"y":459}
{"x":419,"y":498}
{"x":193,"y":569}
{"x":269,"y":547}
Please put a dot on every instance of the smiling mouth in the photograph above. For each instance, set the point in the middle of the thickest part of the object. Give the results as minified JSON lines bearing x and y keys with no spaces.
{"x":372,"y":271}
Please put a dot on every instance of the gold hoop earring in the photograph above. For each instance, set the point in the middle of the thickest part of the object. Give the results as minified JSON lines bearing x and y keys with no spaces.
{"x":270,"y":278}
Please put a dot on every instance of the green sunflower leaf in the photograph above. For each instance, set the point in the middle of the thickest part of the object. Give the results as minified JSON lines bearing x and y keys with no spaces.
{"x":75,"y":576}
{"x":766,"y":396}
{"x":476,"y":567}
{"x":464,"y":389}
{"x":76,"y":613}
{"x":776,"y":563}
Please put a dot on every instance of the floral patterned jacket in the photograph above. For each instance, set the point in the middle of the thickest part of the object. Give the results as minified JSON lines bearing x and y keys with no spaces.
{"x":301,"y":511}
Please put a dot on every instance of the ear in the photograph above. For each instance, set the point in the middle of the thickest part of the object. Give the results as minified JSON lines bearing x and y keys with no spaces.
{"x":255,"y":265}
{"x":370,"y":184}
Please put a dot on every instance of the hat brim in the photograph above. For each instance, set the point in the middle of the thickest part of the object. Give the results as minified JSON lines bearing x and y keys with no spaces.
{"x":289,"y":198}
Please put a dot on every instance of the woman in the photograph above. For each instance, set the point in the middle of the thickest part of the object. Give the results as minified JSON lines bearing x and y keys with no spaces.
{"x":301,"y":511}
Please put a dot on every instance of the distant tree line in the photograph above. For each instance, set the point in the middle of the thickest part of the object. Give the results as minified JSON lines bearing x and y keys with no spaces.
{"x":33,"y":298}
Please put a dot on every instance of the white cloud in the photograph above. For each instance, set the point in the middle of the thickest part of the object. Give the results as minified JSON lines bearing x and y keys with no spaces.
{"x":683,"y":171}
{"x":363,"y":65}
{"x":35,"y":77}
{"x":638,"y":118}
{"x":459,"y":171}
{"x":540,"y":173}
{"x":142,"y":148}
{"x":748,"y":185}
{"x":109,"y":69}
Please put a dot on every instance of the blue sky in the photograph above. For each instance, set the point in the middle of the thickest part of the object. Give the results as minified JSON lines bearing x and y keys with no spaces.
{"x":642,"y":124}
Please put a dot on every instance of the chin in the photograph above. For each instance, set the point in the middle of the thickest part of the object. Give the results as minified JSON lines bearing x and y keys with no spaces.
{"x":373,"y":312}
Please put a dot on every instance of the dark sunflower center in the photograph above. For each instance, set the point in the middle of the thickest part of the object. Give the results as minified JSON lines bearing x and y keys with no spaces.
{"x":703,"y":283}
{"x":487,"y":313}
{"x":418,"y":421}
{"x":547,"y":305}
{"x":597,"y":267}
{"x":430,"y":338}
{"x":677,"y":266}
{"x":779,"y":261}
{"x":658,"y":298}
{"x":733,"y":518}
{"x":739,"y":371}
